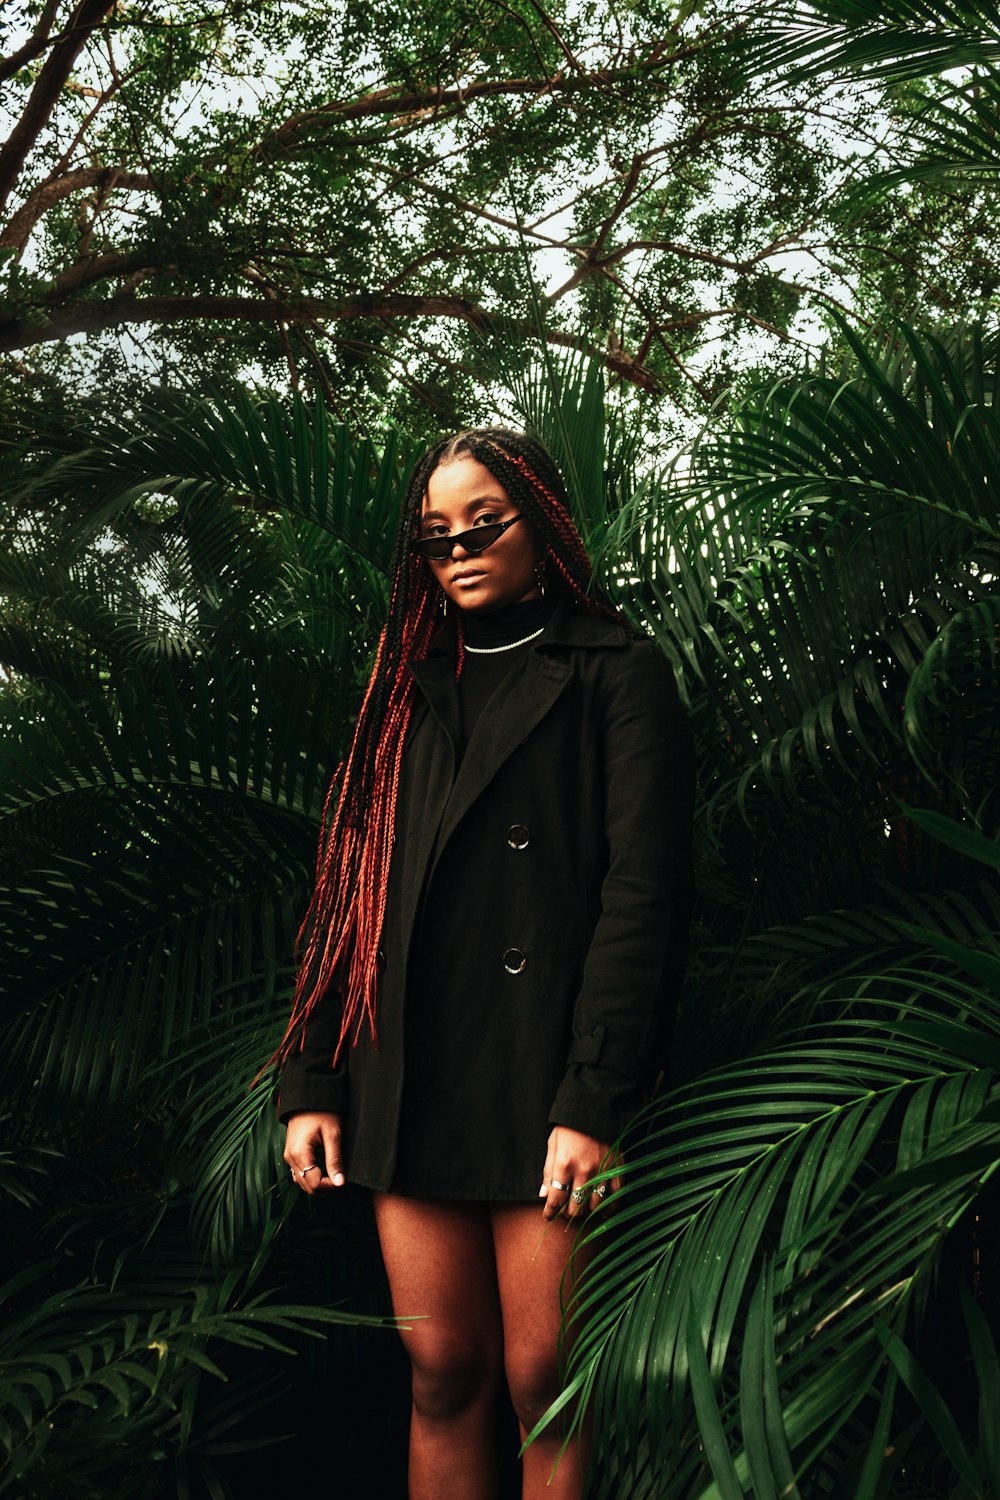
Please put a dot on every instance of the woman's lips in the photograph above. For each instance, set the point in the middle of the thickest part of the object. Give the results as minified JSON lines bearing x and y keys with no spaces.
{"x":467,"y":579}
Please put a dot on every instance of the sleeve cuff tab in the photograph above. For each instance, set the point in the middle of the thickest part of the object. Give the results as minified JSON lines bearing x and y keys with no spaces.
{"x":587,"y":1049}
{"x":597,"y":1048}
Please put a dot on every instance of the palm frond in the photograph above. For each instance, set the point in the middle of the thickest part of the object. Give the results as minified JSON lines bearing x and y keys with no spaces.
{"x":894,"y":42}
{"x":950,"y":712}
{"x":759,"y":1194}
{"x":802,"y":567}
{"x":271,"y":455}
{"x":129,"y":1361}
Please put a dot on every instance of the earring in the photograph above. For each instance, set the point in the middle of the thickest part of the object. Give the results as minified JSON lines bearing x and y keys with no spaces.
{"x":540,"y":575}
{"x":444,"y":605}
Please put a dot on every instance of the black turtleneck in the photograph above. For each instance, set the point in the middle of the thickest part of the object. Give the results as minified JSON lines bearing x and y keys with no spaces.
{"x":482,"y":674}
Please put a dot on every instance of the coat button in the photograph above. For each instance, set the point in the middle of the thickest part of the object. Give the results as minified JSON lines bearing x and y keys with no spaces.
{"x":518,"y":836}
{"x":514,"y":960}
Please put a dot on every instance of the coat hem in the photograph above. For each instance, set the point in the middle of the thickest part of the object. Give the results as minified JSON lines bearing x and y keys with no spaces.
{"x":457,"y":1195}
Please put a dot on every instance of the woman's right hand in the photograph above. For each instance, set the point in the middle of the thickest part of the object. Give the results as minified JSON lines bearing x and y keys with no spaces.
{"x":312,"y":1141}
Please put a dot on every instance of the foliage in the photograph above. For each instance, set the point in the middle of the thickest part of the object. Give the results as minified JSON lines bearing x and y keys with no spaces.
{"x":91,"y":1371}
{"x":823,"y":575}
{"x":341,"y":196}
{"x":183,"y":659}
{"x":189,"y":594}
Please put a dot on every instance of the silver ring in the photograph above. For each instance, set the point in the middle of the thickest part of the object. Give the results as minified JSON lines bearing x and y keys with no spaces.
{"x":312,"y":1167}
{"x":600,"y":1190}
{"x":579,"y":1195}
{"x":560,"y":1187}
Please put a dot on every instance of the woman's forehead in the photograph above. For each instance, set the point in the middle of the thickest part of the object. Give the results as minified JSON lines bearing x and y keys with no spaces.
{"x":460,"y":483}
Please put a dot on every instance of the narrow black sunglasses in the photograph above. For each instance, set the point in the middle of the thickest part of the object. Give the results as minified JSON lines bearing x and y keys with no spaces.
{"x":439,"y":548}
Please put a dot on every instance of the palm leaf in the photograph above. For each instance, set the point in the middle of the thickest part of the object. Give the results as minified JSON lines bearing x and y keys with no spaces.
{"x":270,"y":455}
{"x":679,"y":1273}
{"x":901,"y":40}
{"x":125,"y":1357}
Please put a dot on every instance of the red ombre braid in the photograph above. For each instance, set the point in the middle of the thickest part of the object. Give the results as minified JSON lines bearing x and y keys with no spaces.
{"x":340,"y":935}
{"x":563,"y":523}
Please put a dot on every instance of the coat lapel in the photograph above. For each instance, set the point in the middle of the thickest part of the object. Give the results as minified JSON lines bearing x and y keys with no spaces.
{"x":520,"y":702}
{"x":435,"y":677}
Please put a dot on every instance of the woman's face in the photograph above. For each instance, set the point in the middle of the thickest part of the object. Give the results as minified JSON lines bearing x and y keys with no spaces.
{"x":462,"y":495}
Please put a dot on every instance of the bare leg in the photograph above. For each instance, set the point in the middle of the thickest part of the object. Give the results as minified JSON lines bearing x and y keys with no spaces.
{"x":531,"y":1256}
{"x":440,"y":1263}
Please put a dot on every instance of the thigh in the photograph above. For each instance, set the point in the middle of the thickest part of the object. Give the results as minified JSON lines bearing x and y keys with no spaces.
{"x":439,"y":1258}
{"x":538,"y":1264}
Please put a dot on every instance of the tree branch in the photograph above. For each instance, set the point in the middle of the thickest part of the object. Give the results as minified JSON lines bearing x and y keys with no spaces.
{"x":56,"y":189}
{"x":122,"y":309}
{"x":89,"y":269}
{"x":45,"y":94}
{"x":431,"y":101}
{"x":35,"y":44}
{"x":592,"y":253}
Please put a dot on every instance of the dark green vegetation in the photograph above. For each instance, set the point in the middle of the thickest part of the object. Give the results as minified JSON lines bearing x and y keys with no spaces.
{"x":799,"y":1296}
{"x":342,"y":195}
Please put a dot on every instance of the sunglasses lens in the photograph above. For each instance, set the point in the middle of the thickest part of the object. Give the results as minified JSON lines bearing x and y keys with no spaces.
{"x":439,"y":548}
{"x":481,"y":538}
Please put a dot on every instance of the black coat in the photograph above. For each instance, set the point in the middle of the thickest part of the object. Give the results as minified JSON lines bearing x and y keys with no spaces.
{"x":536,"y":921}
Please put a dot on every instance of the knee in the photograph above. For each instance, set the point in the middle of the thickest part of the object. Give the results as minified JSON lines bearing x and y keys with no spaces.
{"x":449,"y":1376}
{"x":534,"y":1384}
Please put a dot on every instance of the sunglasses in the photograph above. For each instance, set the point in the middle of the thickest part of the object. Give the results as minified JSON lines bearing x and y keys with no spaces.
{"x":439,"y":548}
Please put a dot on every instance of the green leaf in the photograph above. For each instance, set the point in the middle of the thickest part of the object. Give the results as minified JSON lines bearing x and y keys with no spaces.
{"x":933,"y":1407}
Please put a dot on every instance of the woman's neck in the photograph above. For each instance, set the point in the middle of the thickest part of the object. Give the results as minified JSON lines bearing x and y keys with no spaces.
{"x":501,"y":626}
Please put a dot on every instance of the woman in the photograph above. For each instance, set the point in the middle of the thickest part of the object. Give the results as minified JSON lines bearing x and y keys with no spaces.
{"x":495,"y":943}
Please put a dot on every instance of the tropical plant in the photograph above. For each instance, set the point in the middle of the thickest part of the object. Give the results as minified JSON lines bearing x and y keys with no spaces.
{"x":185,"y":612}
{"x":764,"y":1311}
{"x":822,"y":572}
{"x":185,"y":648}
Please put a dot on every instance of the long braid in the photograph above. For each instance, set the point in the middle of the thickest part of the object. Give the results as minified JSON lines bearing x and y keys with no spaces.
{"x":339,"y":938}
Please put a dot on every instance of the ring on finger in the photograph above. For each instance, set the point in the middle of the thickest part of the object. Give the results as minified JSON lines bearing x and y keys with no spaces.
{"x":579,"y":1195}
{"x":560,"y":1187}
{"x":600,"y":1190}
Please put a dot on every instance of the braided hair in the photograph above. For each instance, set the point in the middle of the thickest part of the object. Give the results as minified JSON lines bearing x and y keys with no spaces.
{"x":339,"y":939}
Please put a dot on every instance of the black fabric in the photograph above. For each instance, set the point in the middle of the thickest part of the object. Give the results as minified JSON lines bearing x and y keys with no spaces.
{"x":448,"y":1086}
{"x":536,"y":919}
{"x":498,"y":627}
{"x":482,"y":675}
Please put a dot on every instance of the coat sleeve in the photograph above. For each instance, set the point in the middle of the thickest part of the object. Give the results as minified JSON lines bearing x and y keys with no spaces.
{"x":635,"y":962}
{"x":308,"y":1082}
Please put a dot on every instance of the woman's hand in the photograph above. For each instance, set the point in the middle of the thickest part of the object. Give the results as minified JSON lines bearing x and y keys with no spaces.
{"x":312,"y":1140}
{"x":573,"y":1160}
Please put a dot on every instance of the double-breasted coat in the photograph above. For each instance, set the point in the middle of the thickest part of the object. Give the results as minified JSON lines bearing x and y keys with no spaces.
{"x":535,"y":927}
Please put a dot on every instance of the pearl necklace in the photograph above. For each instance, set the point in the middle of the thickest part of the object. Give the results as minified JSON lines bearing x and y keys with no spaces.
{"x":492,"y":650}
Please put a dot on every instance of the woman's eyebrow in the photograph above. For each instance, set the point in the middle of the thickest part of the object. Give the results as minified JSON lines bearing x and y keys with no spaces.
{"x":437,"y":515}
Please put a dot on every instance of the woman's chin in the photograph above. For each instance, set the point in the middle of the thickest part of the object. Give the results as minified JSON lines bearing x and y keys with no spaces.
{"x":482,"y":600}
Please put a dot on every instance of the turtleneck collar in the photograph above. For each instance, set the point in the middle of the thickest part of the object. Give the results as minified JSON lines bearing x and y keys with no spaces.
{"x":501,"y":626}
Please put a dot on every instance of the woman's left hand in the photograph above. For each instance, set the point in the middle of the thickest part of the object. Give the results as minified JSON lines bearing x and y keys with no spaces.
{"x":573,"y":1160}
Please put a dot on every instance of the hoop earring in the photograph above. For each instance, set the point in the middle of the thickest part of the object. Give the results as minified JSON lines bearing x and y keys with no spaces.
{"x":540,"y":575}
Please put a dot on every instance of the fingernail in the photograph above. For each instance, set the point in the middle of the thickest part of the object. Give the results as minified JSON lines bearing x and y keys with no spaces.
{"x":542,"y":1190}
